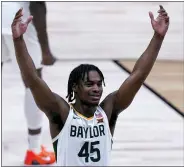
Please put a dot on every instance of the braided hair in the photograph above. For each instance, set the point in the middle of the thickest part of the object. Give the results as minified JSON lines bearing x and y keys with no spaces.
{"x":77,"y":74}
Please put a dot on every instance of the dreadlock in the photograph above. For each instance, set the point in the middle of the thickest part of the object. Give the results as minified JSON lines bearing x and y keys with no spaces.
{"x":79,"y":73}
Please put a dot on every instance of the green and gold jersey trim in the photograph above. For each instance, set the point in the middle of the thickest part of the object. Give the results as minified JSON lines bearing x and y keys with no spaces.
{"x":79,"y":114}
{"x":55,"y":148}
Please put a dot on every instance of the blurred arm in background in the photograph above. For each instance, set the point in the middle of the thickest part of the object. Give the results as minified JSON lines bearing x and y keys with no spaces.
{"x":38,"y":11}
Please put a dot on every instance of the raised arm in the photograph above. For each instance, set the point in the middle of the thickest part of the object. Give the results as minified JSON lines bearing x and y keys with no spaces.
{"x":46,"y":100}
{"x":123,"y":97}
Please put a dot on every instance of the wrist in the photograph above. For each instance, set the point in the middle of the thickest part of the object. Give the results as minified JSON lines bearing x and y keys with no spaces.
{"x":158,"y":36}
{"x":18,"y":38}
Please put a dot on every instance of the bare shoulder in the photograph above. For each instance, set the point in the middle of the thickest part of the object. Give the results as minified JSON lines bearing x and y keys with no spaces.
{"x":108,"y":104}
{"x":58,"y":115}
{"x":61,"y":109}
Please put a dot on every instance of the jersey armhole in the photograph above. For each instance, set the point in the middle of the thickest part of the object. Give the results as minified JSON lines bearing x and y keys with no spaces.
{"x":65,"y":125}
{"x":104,"y":114}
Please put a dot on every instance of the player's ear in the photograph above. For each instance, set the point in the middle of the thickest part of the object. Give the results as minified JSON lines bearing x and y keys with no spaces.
{"x":74,"y":88}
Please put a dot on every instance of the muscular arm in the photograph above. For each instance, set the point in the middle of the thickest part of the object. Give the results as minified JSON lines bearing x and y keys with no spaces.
{"x":119,"y":100}
{"x":127,"y":91}
{"x":46,"y":100}
{"x":123,"y":97}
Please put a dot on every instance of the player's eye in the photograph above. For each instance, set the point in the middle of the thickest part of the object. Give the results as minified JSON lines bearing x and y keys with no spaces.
{"x":89,"y":84}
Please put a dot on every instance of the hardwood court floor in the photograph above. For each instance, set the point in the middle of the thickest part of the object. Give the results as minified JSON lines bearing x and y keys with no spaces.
{"x":167,"y":78}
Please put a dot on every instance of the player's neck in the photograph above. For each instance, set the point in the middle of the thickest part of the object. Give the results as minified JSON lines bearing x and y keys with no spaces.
{"x":86,"y":110}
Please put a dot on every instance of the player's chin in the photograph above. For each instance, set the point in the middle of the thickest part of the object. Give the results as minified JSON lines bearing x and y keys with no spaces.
{"x":94,"y":102}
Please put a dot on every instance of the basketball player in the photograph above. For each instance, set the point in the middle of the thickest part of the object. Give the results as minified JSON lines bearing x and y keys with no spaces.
{"x":82,"y":131}
{"x":36,"y":154}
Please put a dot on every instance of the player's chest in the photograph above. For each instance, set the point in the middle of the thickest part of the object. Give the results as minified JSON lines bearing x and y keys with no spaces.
{"x":87,"y":129}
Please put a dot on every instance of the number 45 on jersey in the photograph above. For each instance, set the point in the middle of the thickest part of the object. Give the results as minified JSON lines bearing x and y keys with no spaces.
{"x":90,"y":148}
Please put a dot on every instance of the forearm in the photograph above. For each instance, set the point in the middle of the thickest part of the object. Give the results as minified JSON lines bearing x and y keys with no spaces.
{"x":38,"y":11}
{"x":145,"y":63}
{"x":24,"y":61}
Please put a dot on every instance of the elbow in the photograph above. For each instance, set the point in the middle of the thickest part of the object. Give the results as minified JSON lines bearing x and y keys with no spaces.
{"x":29,"y":80}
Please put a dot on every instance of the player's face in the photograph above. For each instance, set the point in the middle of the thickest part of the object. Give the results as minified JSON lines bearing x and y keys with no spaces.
{"x":90,"y":90}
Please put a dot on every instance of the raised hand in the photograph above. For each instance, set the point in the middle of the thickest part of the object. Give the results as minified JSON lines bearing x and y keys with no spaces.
{"x":18,"y":26}
{"x":161,"y":24}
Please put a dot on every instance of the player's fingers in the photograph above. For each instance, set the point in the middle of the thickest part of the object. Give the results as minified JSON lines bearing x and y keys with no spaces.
{"x":29,"y":19}
{"x":161,"y":7}
{"x":164,"y":14}
{"x":151,"y":16}
{"x":19,"y":16}
{"x":161,"y":11}
{"x":16,"y":20}
{"x":19,"y":13}
{"x":167,"y":19}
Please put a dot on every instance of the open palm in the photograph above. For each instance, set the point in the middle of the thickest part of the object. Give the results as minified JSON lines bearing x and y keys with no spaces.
{"x":161,"y":24}
{"x":18,"y":26}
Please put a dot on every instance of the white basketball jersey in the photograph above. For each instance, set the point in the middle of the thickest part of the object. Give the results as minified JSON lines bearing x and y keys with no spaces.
{"x":84,"y":141}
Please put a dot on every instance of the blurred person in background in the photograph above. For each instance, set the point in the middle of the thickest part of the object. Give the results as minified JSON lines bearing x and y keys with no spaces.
{"x":36,"y":39}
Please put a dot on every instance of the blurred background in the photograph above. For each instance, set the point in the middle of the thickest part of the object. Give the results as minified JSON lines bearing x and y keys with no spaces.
{"x":111,"y":35}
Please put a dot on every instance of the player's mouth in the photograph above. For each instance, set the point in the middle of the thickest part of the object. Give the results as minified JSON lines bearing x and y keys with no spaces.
{"x":95,"y":97}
